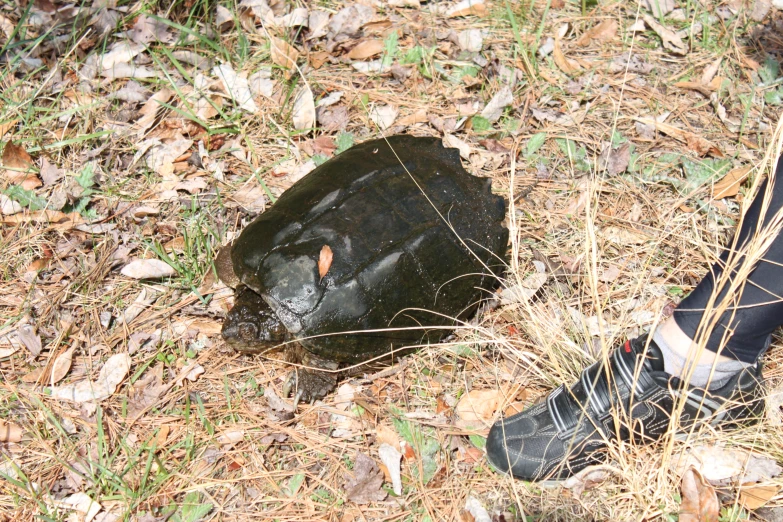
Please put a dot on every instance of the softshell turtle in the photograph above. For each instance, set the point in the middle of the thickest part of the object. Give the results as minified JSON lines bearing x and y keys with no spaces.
{"x":417,"y":243}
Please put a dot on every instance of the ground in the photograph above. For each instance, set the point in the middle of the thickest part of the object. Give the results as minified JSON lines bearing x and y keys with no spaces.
{"x":139,"y":137}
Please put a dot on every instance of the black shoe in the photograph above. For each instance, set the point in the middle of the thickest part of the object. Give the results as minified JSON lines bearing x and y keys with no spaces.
{"x":564,"y":433}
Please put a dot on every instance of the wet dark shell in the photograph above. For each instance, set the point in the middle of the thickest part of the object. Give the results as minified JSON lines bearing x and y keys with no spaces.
{"x":394,"y":255}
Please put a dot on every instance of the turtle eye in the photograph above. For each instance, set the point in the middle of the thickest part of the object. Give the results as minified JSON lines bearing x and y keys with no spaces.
{"x":248,"y":332}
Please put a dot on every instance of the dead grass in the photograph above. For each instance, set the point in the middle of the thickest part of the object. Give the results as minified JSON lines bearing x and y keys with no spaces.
{"x":195,"y":431}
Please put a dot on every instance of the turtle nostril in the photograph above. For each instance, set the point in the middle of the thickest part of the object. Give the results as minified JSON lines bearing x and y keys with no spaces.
{"x":248,"y":332}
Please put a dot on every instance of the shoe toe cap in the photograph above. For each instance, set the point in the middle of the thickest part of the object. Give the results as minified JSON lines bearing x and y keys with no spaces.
{"x":505,"y":447}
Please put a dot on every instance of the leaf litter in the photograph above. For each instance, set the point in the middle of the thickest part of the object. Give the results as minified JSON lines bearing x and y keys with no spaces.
{"x":254,"y":127}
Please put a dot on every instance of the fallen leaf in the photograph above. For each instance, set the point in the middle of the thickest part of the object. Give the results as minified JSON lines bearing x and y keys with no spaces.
{"x":694,"y":142}
{"x":383,"y":115}
{"x":476,"y":408}
{"x":723,"y":466}
{"x":494,"y":109}
{"x":754,"y":497}
{"x":669,"y":38}
{"x":50,"y":173}
{"x":699,"y":500}
{"x":477,"y":510}
{"x":451,"y":141}
{"x":149,"y":111}
{"x":148,"y":269}
{"x":113,"y":372}
{"x":695,"y":86}
{"x":190,"y":373}
{"x":615,"y":160}
{"x":660,"y":8}
{"x":566,"y":65}
{"x":237,"y":86}
{"x":30,"y":339}
{"x":586,"y":479}
{"x":10,"y":432}
{"x":524,"y":291}
{"x":317,"y":59}
{"x":366,"y":49}
{"x":467,"y":8}
{"x":82,"y":504}
{"x":61,"y":365}
{"x":283,"y":55}
{"x":147,"y":30}
{"x":391,"y":458}
{"x":231,"y":437}
{"x":470,"y":40}
{"x":730,"y":184}
{"x":603,"y":32}
{"x":121,"y":53}
{"x":162,"y":435}
{"x":5,"y":127}
{"x":710,"y":71}
{"x":365,"y":486}
{"x":304,"y":110}
{"x":17,"y":163}
{"x":325,"y":260}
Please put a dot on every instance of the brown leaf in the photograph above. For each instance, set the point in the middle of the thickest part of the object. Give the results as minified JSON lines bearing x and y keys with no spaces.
{"x":669,"y":38}
{"x":603,"y":32}
{"x":5,"y":127}
{"x":318,"y":59}
{"x":477,"y":408}
{"x":699,"y":501}
{"x":567,"y":66}
{"x":10,"y":432}
{"x":615,"y":161}
{"x":365,"y":486}
{"x":754,"y":497}
{"x":695,"y":86}
{"x":467,"y":8}
{"x":325,"y":260}
{"x":283,"y":54}
{"x":62,"y":364}
{"x":730,"y":184}
{"x":366,"y":49}
{"x":18,"y":163}
{"x":694,"y":142}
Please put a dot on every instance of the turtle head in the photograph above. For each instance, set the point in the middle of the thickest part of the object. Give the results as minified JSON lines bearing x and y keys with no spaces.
{"x":252,"y":326}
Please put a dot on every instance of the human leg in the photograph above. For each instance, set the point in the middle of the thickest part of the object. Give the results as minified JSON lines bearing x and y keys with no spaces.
{"x":633,"y":394}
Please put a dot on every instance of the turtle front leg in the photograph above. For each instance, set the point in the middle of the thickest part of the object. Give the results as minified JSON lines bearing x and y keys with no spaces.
{"x":309,"y":384}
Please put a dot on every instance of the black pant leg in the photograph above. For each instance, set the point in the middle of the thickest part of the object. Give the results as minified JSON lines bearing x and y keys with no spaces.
{"x":757,"y":309}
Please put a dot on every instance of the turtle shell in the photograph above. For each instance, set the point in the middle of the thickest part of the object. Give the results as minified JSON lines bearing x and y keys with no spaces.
{"x":416,"y":243}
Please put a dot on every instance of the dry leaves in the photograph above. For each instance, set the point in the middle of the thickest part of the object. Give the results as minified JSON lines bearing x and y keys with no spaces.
{"x":284,"y":55}
{"x":17,"y":163}
{"x":730,"y":184}
{"x":603,"y":32}
{"x":566,"y":65}
{"x":365,"y":486}
{"x":10,"y":432}
{"x":699,"y":500}
{"x":304,"y":109}
{"x":148,"y":269}
{"x":391,"y":459}
{"x":467,"y":8}
{"x":670,"y":39}
{"x":113,"y":372}
{"x":61,"y":365}
{"x":325,"y":260}
{"x":366,"y":49}
{"x":477,"y":408}
{"x":237,"y":86}
{"x":696,"y":143}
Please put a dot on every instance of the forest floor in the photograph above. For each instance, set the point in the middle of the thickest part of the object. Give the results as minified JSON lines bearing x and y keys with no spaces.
{"x":139,"y":137}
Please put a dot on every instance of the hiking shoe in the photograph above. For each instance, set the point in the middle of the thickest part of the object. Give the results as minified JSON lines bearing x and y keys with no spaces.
{"x":565,"y":432}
